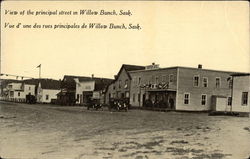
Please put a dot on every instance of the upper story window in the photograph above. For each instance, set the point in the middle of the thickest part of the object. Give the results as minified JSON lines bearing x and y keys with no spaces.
{"x":47,"y":96}
{"x":113,"y":86}
{"x":196,"y":81}
{"x":156,"y":80}
{"x":120,"y":83}
{"x":18,"y":94}
{"x":126,"y":84}
{"x":29,"y":88}
{"x":229,"y":101}
{"x":171,"y":78}
{"x":205,"y":82}
{"x":139,"y":80}
{"x":244,"y":98}
{"x":164,"y":78}
{"x":217,"y":82}
{"x":230,"y":84}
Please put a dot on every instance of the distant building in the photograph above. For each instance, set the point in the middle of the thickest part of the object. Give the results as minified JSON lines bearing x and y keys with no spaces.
{"x":17,"y":91}
{"x":241,"y":93}
{"x":120,"y":87}
{"x":47,"y":90}
{"x":91,"y":88}
{"x":79,"y":89}
{"x":181,"y":88}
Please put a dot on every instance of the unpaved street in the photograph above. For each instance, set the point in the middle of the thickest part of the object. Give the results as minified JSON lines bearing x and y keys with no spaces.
{"x":47,"y":131}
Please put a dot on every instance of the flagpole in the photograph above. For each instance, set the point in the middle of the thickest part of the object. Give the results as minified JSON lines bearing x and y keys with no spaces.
{"x":40,"y":71}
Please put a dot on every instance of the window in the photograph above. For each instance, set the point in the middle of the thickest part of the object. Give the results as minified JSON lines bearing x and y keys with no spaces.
{"x":156,"y":80}
{"x":164,"y":78}
{"x":11,"y":93}
{"x":114,"y":87}
{"x":10,"y":86}
{"x":133,"y":97}
{"x":139,"y":80}
{"x":244,"y":98}
{"x":196,"y":81}
{"x":186,"y":98}
{"x":217,"y":82}
{"x":47,"y":96}
{"x":127,"y":94}
{"x":120,"y":84}
{"x":229,"y":101}
{"x":203,"y":99}
{"x":18,"y":94}
{"x":122,"y":95}
{"x":230,"y":84}
{"x":126,"y":84}
{"x":139,"y":97}
{"x":171,"y":78}
{"x":29,"y":88}
{"x":77,"y":97}
{"x":205,"y":82}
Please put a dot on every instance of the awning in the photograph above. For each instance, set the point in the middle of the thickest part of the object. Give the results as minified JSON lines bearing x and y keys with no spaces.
{"x":159,"y":90}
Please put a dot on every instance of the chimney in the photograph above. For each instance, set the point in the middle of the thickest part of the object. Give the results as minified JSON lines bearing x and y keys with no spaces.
{"x":92,"y":76}
{"x":153,"y":63}
{"x":200,"y":66}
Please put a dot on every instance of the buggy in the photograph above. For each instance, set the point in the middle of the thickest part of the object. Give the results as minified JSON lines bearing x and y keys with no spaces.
{"x":119,"y":104}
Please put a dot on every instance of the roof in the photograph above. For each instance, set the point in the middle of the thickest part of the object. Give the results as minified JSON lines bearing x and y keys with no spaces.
{"x":240,"y":74}
{"x":70,"y":78}
{"x":100,"y":83}
{"x":128,"y":68}
{"x":45,"y":83}
{"x":182,"y":67}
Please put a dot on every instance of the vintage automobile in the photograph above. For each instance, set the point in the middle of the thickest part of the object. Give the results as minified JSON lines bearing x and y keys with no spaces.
{"x":119,"y":104}
{"x":30,"y":99}
{"x":95,"y":104}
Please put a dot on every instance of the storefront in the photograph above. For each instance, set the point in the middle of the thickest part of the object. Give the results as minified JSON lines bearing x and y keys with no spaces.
{"x":160,"y":98}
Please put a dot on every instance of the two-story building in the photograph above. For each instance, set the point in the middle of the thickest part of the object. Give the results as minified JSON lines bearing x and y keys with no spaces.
{"x":17,"y":91}
{"x":91,"y":88}
{"x":181,"y":88}
{"x":79,"y":89}
{"x":120,"y":87}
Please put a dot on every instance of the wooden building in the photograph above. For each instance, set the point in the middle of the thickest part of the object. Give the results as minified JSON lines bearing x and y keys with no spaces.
{"x":120,"y":87}
{"x":181,"y":88}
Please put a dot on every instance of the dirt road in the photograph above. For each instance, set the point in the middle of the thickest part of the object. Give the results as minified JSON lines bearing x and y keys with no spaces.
{"x":46,"y":131}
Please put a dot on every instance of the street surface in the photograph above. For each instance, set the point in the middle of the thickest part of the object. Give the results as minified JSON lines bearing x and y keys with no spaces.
{"x":54,"y":132}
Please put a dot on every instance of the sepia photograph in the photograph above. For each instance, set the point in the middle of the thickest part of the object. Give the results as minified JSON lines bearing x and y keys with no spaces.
{"x":124,"y":79}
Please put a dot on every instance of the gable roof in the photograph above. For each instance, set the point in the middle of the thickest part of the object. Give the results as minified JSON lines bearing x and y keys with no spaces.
{"x":100,"y":83}
{"x":45,"y":83}
{"x":128,"y":68}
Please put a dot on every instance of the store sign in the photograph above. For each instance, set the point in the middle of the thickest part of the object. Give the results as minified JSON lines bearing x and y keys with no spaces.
{"x":152,"y":67}
{"x":88,"y":86}
{"x":155,"y":86}
{"x":96,"y":95}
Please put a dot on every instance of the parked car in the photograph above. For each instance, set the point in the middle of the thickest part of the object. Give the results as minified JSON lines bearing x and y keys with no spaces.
{"x":95,"y":104}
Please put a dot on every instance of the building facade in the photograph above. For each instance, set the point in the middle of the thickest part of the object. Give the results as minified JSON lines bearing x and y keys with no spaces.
{"x":17,"y":91}
{"x":181,"y":88}
{"x":120,"y":87}
{"x":47,"y":90}
{"x":79,"y":89}
{"x":241,"y":93}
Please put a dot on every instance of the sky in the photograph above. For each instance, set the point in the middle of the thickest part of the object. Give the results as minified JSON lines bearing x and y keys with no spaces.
{"x":173,"y":33}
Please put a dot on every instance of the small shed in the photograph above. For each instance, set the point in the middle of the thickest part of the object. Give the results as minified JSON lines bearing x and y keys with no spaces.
{"x":219,"y":103}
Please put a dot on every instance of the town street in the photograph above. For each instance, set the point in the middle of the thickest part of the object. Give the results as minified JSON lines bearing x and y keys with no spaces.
{"x":48,"y":131}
